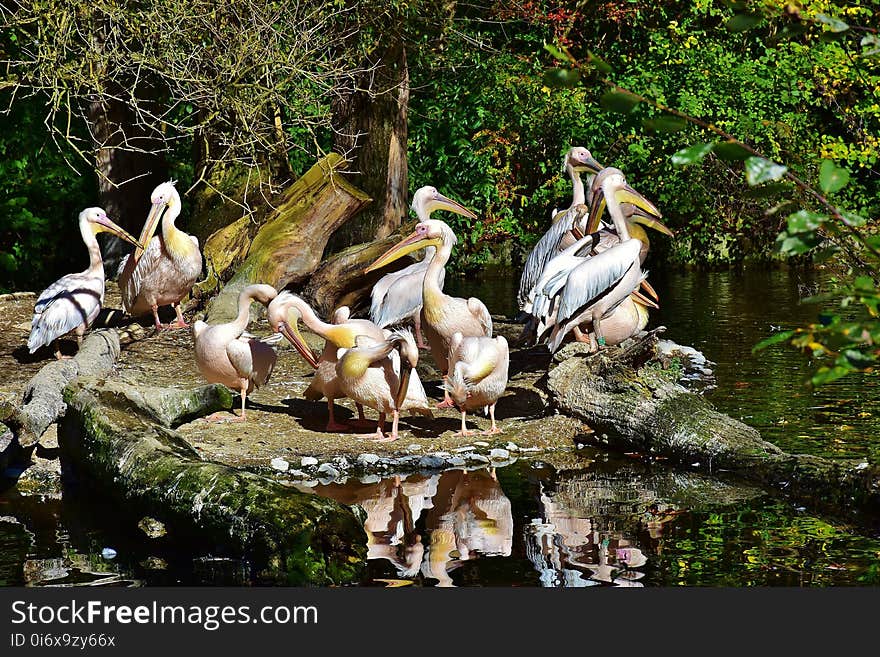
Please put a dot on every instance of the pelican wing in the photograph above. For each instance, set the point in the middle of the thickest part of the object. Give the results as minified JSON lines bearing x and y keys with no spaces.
{"x":132,"y":273}
{"x":484,"y":363}
{"x":595,"y":277}
{"x":478,"y":309}
{"x":72,"y":300}
{"x":252,"y":359}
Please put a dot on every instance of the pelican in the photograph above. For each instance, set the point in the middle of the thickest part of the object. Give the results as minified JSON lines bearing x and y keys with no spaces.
{"x":286,"y":310}
{"x":73,"y":301}
{"x":167,"y":267}
{"x":478,"y":375}
{"x":577,"y":160}
{"x":379,"y":374}
{"x":397,"y":296}
{"x":634,"y":217}
{"x":442,"y":315}
{"x":225,"y":354}
{"x":597,"y":286}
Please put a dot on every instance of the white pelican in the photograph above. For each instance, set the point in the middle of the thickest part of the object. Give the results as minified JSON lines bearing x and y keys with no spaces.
{"x":442,"y":315}
{"x":73,"y":301}
{"x":577,"y":160}
{"x":225,"y":354}
{"x":597,"y":286}
{"x":380,"y":374}
{"x":397,"y":296}
{"x":478,"y":375}
{"x":286,"y":310}
{"x":169,"y":265}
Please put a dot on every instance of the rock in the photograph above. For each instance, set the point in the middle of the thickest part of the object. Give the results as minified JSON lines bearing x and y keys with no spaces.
{"x":308,"y":461}
{"x":299,"y":474}
{"x":152,"y":527}
{"x":154,"y":563}
{"x":414,"y":447}
{"x":328,"y":471}
{"x":462,"y":450}
{"x":108,"y":553}
{"x":456,"y":461}
{"x":370,"y":479}
{"x":368,"y":459}
{"x":499,"y":454}
{"x":481,"y":443}
{"x":432,"y":462}
{"x":479,"y":458}
{"x":280,"y":464}
{"x":513,"y":447}
{"x":290,"y":536}
{"x":342,"y":463}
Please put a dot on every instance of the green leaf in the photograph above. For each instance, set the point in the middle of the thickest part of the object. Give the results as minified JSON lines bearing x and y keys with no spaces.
{"x":743,"y":22}
{"x":556,"y":52}
{"x":858,"y":359}
{"x":871,"y":45}
{"x":864,"y":283}
{"x":804,"y":221}
{"x":759,"y":170}
{"x":561,"y":77}
{"x":665,"y":124}
{"x":731,"y":151}
{"x":618,"y":101}
{"x":691,"y":154}
{"x":794,"y":30}
{"x":831,"y":177}
{"x":827,"y":375}
{"x":851,"y":219}
{"x":834,"y":24}
{"x":598,"y":63}
{"x":768,"y":190}
{"x":798,"y":244}
{"x":776,"y":338}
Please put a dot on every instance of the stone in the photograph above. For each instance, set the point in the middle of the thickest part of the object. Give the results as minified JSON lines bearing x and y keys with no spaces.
{"x":328,"y":470}
{"x":499,"y":454}
{"x":368,"y":459}
{"x":308,"y":461}
{"x":152,"y":527}
{"x":481,"y":443}
{"x":280,"y":464}
{"x":479,"y":458}
{"x":432,"y":462}
{"x":513,"y":447}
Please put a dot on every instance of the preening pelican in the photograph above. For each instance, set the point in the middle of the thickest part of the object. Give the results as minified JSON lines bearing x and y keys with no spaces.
{"x":286,"y":310}
{"x":168,"y":266}
{"x":577,"y":160}
{"x":442,"y":315}
{"x":379,"y":374}
{"x":73,"y":301}
{"x":224,"y":355}
{"x":597,"y":286}
{"x":397,"y":296}
{"x":478,"y":375}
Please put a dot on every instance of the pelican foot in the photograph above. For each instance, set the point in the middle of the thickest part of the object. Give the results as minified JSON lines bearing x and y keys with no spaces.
{"x":465,"y":433}
{"x":390,"y":438}
{"x":61,"y":356}
{"x":492,"y":431}
{"x":177,"y":325}
{"x":446,"y":403}
{"x":426,"y":347}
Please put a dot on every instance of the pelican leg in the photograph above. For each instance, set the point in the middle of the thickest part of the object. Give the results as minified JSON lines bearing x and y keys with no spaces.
{"x":491,"y":431}
{"x":362,"y":422}
{"x":80,"y":331}
{"x":464,"y":430}
{"x":379,"y":436}
{"x":447,"y":400}
{"x":420,"y":341}
{"x":579,"y":335}
{"x":58,"y":354}
{"x":332,"y":424}
{"x":243,"y":416}
{"x":156,"y":321}
{"x":600,"y":339}
{"x":181,"y":322}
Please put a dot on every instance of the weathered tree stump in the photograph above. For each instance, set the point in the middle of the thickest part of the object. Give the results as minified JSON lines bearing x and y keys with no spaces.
{"x":289,"y":245}
{"x":117,"y":438}
{"x":642,"y":408}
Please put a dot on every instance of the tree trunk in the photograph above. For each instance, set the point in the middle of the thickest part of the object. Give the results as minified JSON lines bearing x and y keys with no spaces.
{"x":130,"y":164}
{"x":370,"y":124}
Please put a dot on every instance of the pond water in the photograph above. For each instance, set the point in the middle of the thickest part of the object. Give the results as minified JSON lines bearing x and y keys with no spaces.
{"x":598,"y":520}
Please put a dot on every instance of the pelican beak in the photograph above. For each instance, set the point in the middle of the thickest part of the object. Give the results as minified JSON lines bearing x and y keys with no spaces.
{"x":627,"y":194}
{"x":589,"y":164}
{"x":650,"y":289}
{"x":294,"y":337}
{"x":409,"y":244}
{"x":405,"y":370}
{"x":106,"y":225}
{"x":156,"y":212}
{"x":638,"y":297}
{"x":642,"y":217}
{"x":597,"y":207}
{"x":441,"y":202}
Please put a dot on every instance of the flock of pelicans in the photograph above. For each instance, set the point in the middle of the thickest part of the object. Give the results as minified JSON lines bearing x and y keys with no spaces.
{"x":582,"y":278}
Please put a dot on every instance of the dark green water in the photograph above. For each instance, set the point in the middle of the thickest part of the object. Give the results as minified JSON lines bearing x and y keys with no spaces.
{"x":602,"y":520}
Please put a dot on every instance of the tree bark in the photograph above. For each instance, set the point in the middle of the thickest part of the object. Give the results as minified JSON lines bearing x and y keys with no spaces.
{"x":370,"y":127}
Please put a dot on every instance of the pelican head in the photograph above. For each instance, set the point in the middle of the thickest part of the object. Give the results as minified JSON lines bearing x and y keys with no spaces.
{"x":409,"y":357}
{"x":284,"y":315}
{"x":98,"y":222}
{"x":580,"y":159}
{"x":431,"y":232}
{"x":427,"y":199}
{"x":610,"y":182}
{"x":164,"y":197}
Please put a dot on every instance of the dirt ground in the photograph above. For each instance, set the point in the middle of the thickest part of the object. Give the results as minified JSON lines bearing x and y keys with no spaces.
{"x":280,"y":422}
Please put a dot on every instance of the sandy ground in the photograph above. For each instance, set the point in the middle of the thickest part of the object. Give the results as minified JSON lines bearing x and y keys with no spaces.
{"x":280,"y":423}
